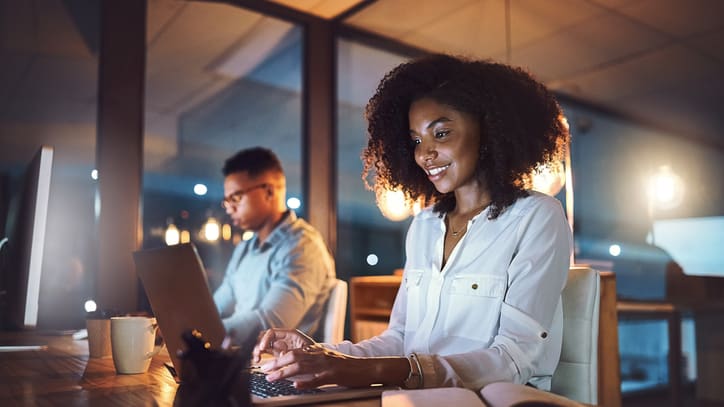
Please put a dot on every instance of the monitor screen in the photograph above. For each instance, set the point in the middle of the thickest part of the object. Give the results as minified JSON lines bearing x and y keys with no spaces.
{"x":694,"y":243}
{"x":22,"y":252}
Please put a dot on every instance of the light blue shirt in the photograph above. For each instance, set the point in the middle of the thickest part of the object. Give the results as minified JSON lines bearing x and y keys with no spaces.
{"x":493,"y":312}
{"x":283,"y":283}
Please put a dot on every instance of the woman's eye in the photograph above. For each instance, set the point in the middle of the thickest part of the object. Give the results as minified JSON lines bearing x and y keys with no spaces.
{"x":441,"y":133}
{"x":415,"y":141}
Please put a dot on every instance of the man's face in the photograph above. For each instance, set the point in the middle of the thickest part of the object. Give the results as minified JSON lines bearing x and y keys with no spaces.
{"x":248,"y":200}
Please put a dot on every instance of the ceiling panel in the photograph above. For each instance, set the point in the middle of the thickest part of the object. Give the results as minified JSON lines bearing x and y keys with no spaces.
{"x":711,"y":44}
{"x":644,"y":75}
{"x":50,"y":32}
{"x":587,"y":46}
{"x":477,"y":28}
{"x":53,"y":79}
{"x":678,"y":18}
{"x":534,"y":20}
{"x":402,"y":18}
{"x":320,"y":8}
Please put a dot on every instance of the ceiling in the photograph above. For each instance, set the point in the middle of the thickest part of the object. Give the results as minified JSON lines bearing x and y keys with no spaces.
{"x":657,"y":62}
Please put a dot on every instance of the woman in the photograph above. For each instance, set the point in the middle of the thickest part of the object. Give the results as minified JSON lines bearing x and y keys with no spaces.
{"x":486,"y":261}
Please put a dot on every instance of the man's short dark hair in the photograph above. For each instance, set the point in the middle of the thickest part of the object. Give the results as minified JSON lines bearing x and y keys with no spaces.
{"x":255,"y":161}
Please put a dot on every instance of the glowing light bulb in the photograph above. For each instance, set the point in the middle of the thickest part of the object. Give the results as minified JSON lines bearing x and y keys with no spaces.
{"x":294,"y":203}
{"x":212,"y":230}
{"x":200,"y":189}
{"x":393,"y":204}
{"x":90,"y":306}
{"x":172,"y":236}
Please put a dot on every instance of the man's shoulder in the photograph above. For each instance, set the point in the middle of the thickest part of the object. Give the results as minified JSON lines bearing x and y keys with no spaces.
{"x":299,"y":231}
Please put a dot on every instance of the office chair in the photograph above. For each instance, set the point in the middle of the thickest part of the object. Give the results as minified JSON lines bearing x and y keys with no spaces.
{"x":578,"y":377}
{"x":335,"y":314}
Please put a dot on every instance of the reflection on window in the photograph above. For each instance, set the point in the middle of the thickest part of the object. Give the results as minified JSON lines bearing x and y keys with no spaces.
{"x":218,"y":79}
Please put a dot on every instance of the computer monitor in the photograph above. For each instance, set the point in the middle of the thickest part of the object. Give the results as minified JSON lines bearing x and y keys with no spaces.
{"x":694,"y":243}
{"x":22,"y":252}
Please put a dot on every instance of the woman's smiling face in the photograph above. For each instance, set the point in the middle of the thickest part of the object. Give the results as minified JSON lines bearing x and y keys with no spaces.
{"x":447,"y":144}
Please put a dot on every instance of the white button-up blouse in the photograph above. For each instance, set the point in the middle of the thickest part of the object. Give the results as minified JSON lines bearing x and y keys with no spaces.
{"x":493,"y":313}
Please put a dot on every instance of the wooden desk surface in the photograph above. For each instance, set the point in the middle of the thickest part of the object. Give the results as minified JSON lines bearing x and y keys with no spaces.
{"x":64,"y":375}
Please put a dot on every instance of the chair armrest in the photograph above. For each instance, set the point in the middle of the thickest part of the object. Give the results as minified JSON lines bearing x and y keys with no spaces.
{"x":503,"y":394}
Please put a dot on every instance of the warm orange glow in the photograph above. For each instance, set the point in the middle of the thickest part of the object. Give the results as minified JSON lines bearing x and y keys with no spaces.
{"x":394,"y":205}
{"x":226,"y":231}
{"x":549,"y":178}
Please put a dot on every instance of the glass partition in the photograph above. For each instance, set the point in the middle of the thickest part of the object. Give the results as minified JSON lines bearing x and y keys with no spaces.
{"x":48,"y":96}
{"x":367,"y":242}
{"x":218,"y":79}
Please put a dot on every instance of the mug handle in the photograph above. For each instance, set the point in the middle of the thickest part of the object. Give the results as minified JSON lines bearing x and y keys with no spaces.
{"x":156,"y":348}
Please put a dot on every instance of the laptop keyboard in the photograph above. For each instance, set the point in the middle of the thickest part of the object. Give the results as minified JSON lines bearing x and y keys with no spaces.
{"x":260,"y":387}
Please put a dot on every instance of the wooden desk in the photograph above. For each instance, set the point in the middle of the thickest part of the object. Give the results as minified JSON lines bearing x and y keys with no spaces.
{"x":63,"y":375}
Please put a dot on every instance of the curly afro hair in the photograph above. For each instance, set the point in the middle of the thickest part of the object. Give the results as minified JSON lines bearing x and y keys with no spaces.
{"x":521,"y":124}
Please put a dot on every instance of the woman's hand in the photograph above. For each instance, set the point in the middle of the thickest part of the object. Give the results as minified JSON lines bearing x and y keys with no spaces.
{"x":312,"y":365}
{"x":276,"y":342}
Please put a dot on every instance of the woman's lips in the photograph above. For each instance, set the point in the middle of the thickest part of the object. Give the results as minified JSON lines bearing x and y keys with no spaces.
{"x":435,"y":173}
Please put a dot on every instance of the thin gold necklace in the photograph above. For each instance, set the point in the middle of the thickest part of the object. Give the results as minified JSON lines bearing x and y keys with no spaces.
{"x":464,"y":227}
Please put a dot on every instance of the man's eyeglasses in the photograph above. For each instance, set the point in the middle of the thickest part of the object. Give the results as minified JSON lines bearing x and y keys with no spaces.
{"x":235,"y":197}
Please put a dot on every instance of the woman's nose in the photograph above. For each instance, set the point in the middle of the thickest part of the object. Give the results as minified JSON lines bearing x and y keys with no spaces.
{"x":426,"y":152}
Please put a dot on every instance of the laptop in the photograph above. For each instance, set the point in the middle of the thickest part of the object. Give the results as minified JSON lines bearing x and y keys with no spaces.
{"x":171,"y":277}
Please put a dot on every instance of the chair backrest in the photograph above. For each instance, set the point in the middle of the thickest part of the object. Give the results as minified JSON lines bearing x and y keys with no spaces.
{"x":335,"y":313}
{"x":576,"y":376}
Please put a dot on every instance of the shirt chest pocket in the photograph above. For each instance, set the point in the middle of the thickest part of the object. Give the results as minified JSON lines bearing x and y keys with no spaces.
{"x":473,"y":309}
{"x":413,"y":279}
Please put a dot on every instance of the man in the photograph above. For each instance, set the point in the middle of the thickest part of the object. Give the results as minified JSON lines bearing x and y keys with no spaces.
{"x":283,"y":275}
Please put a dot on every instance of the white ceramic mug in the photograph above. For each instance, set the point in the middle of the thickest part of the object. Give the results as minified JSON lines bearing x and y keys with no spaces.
{"x":132,"y":343}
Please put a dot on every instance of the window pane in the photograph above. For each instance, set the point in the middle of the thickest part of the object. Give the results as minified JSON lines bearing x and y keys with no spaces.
{"x":48,"y":96}
{"x":362,"y":231}
{"x":218,"y":79}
